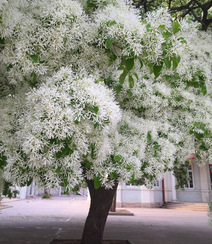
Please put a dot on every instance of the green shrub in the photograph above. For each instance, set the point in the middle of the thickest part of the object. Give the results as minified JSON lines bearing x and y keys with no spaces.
{"x":46,"y":196}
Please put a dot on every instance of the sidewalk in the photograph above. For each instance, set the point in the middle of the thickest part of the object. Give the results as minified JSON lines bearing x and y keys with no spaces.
{"x":38,"y":221}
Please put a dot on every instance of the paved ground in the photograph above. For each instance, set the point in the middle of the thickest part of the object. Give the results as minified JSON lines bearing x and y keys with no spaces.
{"x":38,"y":221}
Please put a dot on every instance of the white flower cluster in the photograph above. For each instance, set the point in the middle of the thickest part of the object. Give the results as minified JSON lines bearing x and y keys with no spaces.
{"x":56,"y":128}
{"x":39,"y":36}
{"x":122,"y":25}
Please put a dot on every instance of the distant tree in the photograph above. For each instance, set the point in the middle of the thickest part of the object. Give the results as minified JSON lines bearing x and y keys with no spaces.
{"x":198,"y":10}
{"x":90,"y":92}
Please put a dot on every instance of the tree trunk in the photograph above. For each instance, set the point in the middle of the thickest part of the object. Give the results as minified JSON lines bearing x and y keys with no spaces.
{"x":113,"y":205}
{"x":46,"y":191}
{"x":101,"y":200}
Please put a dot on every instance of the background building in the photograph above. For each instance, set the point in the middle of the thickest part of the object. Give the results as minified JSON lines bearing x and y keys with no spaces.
{"x":197,"y":190}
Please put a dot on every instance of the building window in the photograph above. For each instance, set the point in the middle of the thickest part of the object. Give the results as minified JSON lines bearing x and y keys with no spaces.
{"x":157,"y":183}
{"x":190,"y":183}
{"x":210,"y":169}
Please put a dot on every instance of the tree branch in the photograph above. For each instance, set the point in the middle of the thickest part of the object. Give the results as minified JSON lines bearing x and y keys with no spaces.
{"x":186,"y":6}
{"x":190,"y":7}
{"x":140,"y":3}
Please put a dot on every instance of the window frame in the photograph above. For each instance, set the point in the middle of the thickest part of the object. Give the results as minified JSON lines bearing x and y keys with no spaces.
{"x":156,"y":184}
{"x":190,"y":170}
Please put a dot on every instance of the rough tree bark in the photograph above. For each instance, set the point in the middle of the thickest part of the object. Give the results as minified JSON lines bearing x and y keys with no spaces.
{"x":101,"y":200}
{"x":113,"y":205}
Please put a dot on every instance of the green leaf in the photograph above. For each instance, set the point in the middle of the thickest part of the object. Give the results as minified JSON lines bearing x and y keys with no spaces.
{"x":93,"y":151}
{"x":141,"y":63}
{"x":58,"y":170}
{"x":136,"y":75}
{"x":131,"y":81}
{"x":207,"y":53}
{"x":156,"y":145}
{"x":157,"y":69}
{"x":9,"y":67}
{"x":3,"y":161}
{"x":66,"y":191}
{"x":167,"y":77}
{"x":195,"y":84}
{"x":29,"y":182}
{"x":129,"y":93}
{"x":95,"y":125}
{"x":65,"y":151}
{"x":182,"y":40}
{"x":57,"y":141}
{"x":109,"y":81}
{"x":118,"y":88}
{"x":149,"y":137}
{"x":203,"y":147}
{"x":109,"y":42}
{"x":34,"y":58}
{"x":204,"y":89}
{"x":132,"y":179}
{"x":175,"y":27}
{"x":113,"y":175}
{"x":97,"y":182}
{"x":91,"y":4}
{"x":168,"y":62}
{"x":118,"y":158}
{"x":166,"y":35}
{"x":88,"y":164}
{"x":68,"y":140}
{"x":175,"y":60}
{"x":76,"y":122}
{"x":121,"y":67}
{"x":34,"y":77}
{"x":199,"y":136}
{"x":113,"y":57}
{"x":95,"y":109}
{"x":129,"y":63}
{"x":196,"y":124}
{"x":65,"y":181}
{"x":110,"y":23}
{"x":163,"y":27}
{"x":148,"y":26}
{"x":2,"y":41}
{"x":73,"y":103}
{"x":122,"y":77}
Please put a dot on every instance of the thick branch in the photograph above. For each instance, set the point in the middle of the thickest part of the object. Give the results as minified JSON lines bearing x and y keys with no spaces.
{"x":190,"y":7}
{"x":182,"y":7}
{"x":197,"y":18}
{"x":209,"y":21}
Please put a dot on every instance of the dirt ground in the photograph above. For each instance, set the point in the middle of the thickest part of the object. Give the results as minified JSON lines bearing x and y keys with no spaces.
{"x":78,"y":242}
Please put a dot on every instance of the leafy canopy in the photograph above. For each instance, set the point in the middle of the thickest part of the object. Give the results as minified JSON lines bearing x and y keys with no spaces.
{"x":91,"y":91}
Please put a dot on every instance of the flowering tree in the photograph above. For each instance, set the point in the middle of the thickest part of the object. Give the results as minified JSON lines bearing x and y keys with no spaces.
{"x":89,"y":91}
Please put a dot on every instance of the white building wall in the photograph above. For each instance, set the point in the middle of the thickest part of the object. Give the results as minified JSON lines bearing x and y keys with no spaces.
{"x":22,"y":192}
{"x":139,"y":196}
{"x":204,"y":182}
{"x":168,"y":186}
{"x":201,"y":189}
